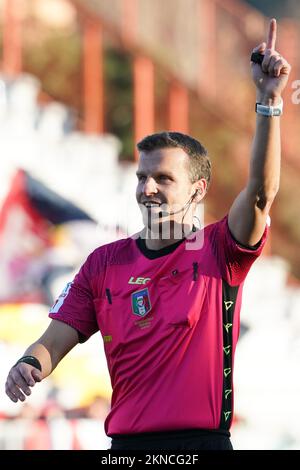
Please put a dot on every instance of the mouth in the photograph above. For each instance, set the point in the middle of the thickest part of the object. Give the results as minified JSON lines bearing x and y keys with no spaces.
{"x":151,"y":204}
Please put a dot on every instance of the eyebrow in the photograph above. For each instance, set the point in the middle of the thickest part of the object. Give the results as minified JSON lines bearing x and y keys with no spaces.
{"x":160,"y":173}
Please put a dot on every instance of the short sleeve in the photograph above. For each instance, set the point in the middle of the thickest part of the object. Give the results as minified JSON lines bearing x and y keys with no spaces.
{"x":234,"y":260}
{"x":75,"y":305}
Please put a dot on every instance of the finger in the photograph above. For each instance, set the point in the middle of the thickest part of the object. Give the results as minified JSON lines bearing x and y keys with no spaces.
{"x":27,"y":376}
{"x":286,"y":68}
{"x":266,"y":61}
{"x":278,"y":66}
{"x":13,"y":389}
{"x":260,"y":48}
{"x":18,"y":380}
{"x":282,"y":67}
{"x":11,"y":396}
{"x":273,"y":60}
{"x":272,"y":34}
{"x":36,"y":374}
{"x":18,"y":394}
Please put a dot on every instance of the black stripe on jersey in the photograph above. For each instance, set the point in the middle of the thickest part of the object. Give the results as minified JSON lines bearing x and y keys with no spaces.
{"x":229,"y":295}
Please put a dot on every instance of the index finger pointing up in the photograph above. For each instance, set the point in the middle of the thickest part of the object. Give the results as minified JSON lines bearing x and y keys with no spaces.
{"x":272,"y":34}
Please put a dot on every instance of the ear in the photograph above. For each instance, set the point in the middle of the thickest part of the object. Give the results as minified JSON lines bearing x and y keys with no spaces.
{"x":199,"y":188}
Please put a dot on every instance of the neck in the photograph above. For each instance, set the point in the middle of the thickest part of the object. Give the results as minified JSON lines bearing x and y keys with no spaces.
{"x":155,"y":241}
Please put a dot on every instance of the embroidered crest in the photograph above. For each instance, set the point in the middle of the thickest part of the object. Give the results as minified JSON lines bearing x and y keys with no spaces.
{"x":140,"y":302}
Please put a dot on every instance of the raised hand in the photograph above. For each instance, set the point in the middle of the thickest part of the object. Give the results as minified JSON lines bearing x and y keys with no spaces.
{"x":272,"y":75}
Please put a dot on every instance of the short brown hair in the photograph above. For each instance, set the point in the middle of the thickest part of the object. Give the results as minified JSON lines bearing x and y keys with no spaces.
{"x":200,"y":165}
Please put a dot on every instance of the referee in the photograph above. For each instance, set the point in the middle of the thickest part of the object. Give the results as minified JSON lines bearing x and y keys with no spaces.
{"x":167,"y":301}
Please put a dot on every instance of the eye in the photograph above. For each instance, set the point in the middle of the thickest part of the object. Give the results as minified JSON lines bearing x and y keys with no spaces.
{"x":141,"y":177}
{"x":163,"y":178}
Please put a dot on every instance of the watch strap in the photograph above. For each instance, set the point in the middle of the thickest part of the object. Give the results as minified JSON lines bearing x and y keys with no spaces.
{"x":269,"y":110}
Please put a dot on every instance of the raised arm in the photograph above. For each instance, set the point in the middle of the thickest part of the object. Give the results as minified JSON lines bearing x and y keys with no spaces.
{"x":248,"y":214}
{"x":49,"y":350}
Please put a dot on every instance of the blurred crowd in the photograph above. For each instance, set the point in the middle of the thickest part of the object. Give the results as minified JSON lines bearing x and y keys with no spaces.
{"x":51,"y":426}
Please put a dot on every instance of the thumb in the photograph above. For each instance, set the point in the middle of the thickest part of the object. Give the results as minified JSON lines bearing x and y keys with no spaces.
{"x":37,"y":375}
{"x":260,"y":48}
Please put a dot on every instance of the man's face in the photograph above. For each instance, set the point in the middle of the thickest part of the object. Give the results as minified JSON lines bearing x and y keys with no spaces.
{"x":163,"y":184}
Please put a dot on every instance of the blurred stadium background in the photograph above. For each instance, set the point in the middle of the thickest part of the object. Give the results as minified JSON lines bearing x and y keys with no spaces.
{"x":80,"y":82}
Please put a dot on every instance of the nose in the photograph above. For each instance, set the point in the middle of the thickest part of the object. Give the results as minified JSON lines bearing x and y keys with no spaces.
{"x":149,"y":186}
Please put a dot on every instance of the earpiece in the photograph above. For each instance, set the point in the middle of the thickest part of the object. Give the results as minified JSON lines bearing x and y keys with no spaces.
{"x":195,"y":193}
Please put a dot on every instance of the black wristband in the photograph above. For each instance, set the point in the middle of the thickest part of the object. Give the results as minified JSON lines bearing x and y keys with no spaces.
{"x":33,"y":361}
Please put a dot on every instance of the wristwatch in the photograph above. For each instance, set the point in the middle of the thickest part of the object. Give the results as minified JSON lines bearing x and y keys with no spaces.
{"x":269,"y":110}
